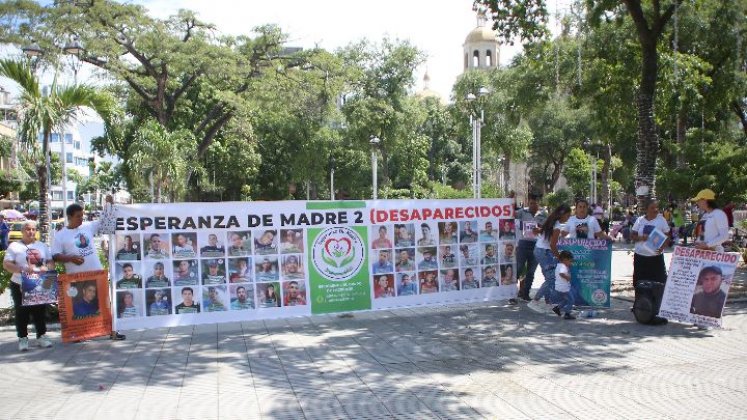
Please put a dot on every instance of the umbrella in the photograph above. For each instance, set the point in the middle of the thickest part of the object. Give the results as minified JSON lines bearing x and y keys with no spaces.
{"x":11,"y":214}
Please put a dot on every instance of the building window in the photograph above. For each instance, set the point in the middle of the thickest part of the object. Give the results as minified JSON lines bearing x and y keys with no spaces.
{"x":69,"y":157}
{"x":68,"y":138}
{"x":488,"y":59}
{"x":54,"y":138}
{"x":57,"y":195}
{"x":71,"y":195}
{"x":476,"y":59}
{"x":77,"y":145}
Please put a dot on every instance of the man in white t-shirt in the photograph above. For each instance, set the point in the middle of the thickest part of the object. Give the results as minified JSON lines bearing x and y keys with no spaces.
{"x":74,"y":247}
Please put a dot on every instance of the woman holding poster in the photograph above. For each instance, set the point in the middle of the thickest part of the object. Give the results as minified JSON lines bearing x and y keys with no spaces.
{"x":713,"y":225}
{"x":649,"y":235}
{"x":28,"y":256}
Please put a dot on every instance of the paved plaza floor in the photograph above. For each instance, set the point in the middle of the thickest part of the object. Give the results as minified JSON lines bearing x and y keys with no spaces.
{"x":485,"y":360}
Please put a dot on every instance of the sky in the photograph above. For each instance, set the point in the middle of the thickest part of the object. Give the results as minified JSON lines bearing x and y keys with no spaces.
{"x":438,"y":28}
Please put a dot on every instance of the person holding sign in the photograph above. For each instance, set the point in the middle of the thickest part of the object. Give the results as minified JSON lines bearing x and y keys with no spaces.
{"x":74,"y":247}
{"x":709,"y":299}
{"x":648,"y":260}
{"x":28,"y":256}
{"x":713,"y":224}
{"x":530,"y":220}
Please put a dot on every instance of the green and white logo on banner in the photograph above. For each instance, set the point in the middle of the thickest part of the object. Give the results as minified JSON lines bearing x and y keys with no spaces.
{"x":338,"y":269}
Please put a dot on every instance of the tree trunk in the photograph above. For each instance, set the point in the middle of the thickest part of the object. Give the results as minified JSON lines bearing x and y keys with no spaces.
{"x":506,"y":174}
{"x":681,"y":134}
{"x":741,"y":114}
{"x":648,"y":137}
{"x":605,"y":175}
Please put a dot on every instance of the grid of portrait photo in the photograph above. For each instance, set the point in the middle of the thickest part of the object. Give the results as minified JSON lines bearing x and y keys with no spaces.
{"x":164,"y":273}
{"x":435,"y":257}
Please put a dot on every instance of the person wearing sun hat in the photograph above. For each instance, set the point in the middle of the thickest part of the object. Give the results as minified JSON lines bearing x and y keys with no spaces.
{"x":713,"y":226}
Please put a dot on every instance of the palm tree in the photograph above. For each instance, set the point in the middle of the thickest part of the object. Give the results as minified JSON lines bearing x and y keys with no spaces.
{"x":41,"y":114}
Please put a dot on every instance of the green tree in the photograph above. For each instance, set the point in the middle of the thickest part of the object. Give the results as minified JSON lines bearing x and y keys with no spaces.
{"x":41,"y":114}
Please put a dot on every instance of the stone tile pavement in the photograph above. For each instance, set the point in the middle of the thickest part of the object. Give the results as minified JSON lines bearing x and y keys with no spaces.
{"x":489,"y":360}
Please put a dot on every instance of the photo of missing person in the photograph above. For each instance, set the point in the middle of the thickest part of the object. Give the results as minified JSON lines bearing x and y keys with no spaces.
{"x":404,"y":235}
{"x":128,"y":247}
{"x":488,"y":232}
{"x":85,"y":299}
{"x":291,"y":241}
{"x":157,"y":246}
{"x":489,"y":254}
{"x":447,"y":232}
{"x":427,"y":234}
{"x":507,"y":228}
{"x":128,"y":277}
{"x":468,"y":255}
{"x":213,"y":271}
{"x":265,"y":242}
{"x":449,"y":280}
{"x":447,"y":257}
{"x":428,"y":282}
{"x":471,"y":278}
{"x":468,"y":232}
{"x":383,"y":264}
{"x":427,"y":259}
{"x":214,"y":298}
{"x":268,"y":295}
{"x":294,"y":293}
{"x":507,"y":274}
{"x":185,"y":273}
{"x":293,"y":267}
{"x":266,"y":269}
{"x":212,"y":244}
{"x":489,"y":277}
{"x":239,"y":243}
{"x":158,"y":302}
{"x":157,"y":276}
{"x":383,"y":237}
{"x":188,"y":305}
{"x":383,"y":286}
{"x":242,"y":296}
{"x":710,"y":292}
{"x":405,"y":260}
{"x":240,"y":270}
{"x":129,"y":305}
{"x":406,"y":284}
{"x":508,"y":252}
{"x":185,"y":245}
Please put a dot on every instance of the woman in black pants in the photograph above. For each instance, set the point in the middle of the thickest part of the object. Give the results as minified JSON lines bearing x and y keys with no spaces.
{"x":648,"y":261}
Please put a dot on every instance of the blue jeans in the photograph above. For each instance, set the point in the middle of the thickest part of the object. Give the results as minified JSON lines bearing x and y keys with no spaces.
{"x":525,"y":256}
{"x":565,"y":301}
{"x":547,"y":263}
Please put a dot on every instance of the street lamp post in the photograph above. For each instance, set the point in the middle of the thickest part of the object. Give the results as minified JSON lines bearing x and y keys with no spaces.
{"x":374,"y":167}
{"x":477,"y":123}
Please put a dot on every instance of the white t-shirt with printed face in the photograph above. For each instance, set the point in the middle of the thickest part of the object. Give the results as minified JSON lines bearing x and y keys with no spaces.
{"x":35,"y":254}
{"x":78,"y":242}
{"x":562,"y":285}
{"x":643,"y":226}
{"x":585,"y":228}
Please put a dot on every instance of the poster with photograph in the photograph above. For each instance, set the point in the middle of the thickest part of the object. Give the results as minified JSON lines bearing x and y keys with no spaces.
{"x":698,"y":285}
{"x":129,"y":304}
{"x":39,"y":288}
{"x":84,"y":305}
{"x":158,"y":302}
{"x":591,"y":270}
{"x":128,"y":247}
{"x":242,"y":297}
{"x":655,"y":241}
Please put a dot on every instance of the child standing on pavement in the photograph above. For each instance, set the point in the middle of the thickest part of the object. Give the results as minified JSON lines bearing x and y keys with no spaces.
{"x":563,"y":285}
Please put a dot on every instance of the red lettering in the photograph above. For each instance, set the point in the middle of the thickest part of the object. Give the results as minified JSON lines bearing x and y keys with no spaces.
{"x":393,"y":216}
{"x":469,"y":212}
{"x":415,"y":215}
{"x":459,"y":212}
{"x":438,"y":214}
{"x":484,"y":211}
{"x":382,"y":216}
{"x":372,"y":216}
{"x":404,"y":215}
{"x":427,"y":214}
{"x":449,"y":213}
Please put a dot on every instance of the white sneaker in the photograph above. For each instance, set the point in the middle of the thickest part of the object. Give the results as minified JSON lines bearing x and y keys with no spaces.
{"x":44,"y":342}
{"x":23,"y":344}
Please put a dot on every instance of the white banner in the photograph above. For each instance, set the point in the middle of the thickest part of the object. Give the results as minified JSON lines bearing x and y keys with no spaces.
{"x":697,"y":286}
{"x":191,"y":263}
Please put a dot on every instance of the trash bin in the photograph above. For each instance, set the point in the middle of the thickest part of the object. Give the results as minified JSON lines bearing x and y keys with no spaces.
{"x":647,"y":302}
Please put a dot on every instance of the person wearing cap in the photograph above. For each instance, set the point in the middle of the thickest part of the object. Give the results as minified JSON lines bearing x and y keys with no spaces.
{"x":709,"y":299}
{"x":713,"y":224}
